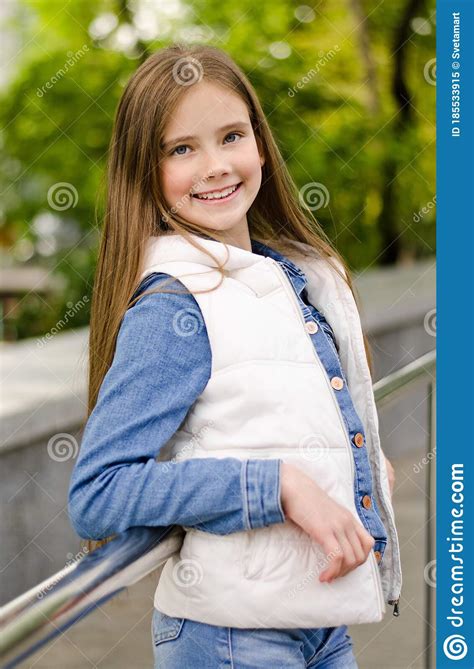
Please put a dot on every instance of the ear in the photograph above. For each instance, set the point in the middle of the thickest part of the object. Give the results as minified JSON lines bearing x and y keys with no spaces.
{"x":261,"y":154}
{"x":260,"y":151}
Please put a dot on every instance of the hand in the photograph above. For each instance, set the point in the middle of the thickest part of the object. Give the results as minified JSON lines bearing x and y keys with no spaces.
{"x":342,"y":537}
{"x":391,"y":474}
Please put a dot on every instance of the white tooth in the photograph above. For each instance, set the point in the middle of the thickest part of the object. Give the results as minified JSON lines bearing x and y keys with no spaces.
{"x":217,"y":196}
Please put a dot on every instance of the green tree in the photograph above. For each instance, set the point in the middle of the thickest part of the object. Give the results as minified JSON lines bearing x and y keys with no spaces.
{"x":348,"y":89}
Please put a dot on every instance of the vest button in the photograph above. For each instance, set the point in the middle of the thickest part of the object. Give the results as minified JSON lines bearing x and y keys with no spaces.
{"x":378,"y":555}
{"x":358,"y":439}
{"x":311,"y":327}
{"x":337,"y":383}
{"x":366,"y":502}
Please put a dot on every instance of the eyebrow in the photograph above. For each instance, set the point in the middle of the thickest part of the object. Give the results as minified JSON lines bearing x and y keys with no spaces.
{"x":237,"y":124}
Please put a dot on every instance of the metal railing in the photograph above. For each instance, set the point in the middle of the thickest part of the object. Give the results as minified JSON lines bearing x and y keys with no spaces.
{"x":386,"y":390}
{"x":39,"y":615}
{"x":33,"y":619}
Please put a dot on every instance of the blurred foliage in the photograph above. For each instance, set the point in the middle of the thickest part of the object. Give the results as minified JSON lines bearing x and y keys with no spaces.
{"x":344,"y":86}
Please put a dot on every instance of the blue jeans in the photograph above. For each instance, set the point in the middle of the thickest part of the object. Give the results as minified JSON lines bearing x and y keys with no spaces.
{"x":179,"y":643}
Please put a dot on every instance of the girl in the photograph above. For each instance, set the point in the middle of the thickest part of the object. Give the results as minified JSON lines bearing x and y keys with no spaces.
{"x":230,"y":390}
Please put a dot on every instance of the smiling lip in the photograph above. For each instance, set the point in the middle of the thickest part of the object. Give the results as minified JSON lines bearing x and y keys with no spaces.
{"x":221,"y":199}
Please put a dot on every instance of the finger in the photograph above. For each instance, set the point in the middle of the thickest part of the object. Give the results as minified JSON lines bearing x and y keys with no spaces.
{"x":350,"y":560}
{"x":356,"y":546}
{"x":334,"y":556}
{"x":366,"y":539}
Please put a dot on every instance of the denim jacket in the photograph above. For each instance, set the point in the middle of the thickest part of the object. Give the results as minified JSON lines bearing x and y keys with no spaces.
{"x":153,"y":381}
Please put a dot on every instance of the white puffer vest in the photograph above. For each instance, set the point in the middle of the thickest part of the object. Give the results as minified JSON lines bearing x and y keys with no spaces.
{"x":268,"y":391}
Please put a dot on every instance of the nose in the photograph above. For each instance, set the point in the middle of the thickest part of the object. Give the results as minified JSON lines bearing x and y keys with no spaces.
{"x":215,"y":164}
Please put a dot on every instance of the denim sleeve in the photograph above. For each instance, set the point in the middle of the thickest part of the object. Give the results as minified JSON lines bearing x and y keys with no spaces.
{"x":161,"y":365}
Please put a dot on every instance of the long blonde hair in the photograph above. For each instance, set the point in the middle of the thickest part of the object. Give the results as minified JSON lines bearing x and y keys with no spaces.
{"x":135,"y":208}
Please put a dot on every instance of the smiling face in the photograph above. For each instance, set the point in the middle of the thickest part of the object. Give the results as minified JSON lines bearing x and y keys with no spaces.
{"x":209,"y":145}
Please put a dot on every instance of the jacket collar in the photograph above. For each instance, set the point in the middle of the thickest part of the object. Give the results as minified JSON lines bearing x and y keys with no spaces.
{"x":175,"y":247}
{"x":295,"y":274}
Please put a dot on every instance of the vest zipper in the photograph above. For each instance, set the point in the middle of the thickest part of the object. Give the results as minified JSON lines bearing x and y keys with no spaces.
{"x":293,"y":298}
{"x":394,"y":603}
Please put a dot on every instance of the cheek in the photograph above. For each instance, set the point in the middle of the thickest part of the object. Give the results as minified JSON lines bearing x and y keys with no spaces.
{"x":175,"y":183}
{"x":249,"y":164}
